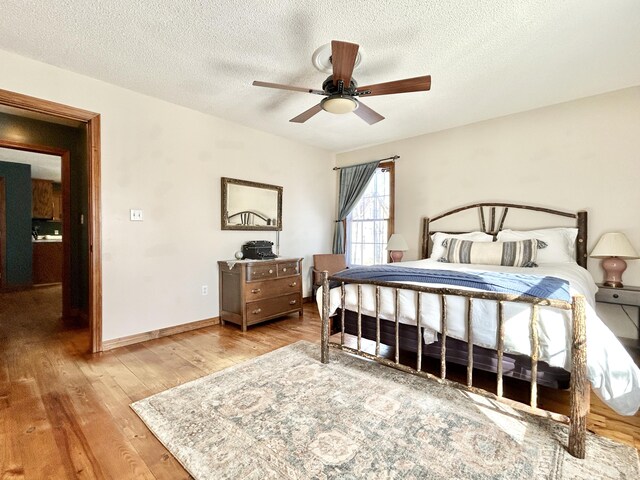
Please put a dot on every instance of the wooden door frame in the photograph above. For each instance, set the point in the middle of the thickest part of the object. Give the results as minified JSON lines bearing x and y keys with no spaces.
{"x":3,"y":233}
{"x":92,"y":122}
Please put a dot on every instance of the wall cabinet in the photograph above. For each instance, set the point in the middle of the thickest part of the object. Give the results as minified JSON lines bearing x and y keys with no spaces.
{"x":252,"y":291}
{"x":46,"y":200}
{"x":41,"y":199}
{"x":57,"y":202}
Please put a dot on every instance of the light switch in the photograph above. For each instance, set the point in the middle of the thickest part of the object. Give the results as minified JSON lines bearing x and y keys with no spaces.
{"x":136,"y":215}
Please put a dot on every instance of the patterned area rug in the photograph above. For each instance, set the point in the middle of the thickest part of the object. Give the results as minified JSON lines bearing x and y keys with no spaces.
{"x":284,"y":415}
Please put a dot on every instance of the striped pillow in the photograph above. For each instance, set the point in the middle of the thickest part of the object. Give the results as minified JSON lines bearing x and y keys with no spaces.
{"x":522,"y":253}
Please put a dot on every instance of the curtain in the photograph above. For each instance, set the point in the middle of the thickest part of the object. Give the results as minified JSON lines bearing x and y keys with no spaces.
{"x":353,"y":183}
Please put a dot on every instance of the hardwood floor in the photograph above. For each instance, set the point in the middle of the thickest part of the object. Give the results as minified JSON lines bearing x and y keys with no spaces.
{"x":65,"y":413}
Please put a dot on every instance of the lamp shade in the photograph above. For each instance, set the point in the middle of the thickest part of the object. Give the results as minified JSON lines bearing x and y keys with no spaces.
{"x":397,"y":243}
{"x":614,"y":244}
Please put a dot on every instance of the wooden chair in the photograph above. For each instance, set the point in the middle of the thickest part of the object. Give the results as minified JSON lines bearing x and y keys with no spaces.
{"x":331,"y":262}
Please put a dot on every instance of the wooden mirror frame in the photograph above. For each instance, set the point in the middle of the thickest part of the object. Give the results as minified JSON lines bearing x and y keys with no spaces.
{"x":224,"y":218}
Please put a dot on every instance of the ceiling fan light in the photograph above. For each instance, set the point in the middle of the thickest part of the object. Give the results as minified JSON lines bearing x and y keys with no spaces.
{"x":339,"y":104}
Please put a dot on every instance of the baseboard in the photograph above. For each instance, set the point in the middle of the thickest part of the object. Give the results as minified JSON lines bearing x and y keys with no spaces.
{"x":16,"y":288}
{"x":163,"y":332}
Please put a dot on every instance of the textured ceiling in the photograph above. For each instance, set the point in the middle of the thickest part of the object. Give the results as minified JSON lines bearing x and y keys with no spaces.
{"x":44,"y":167}
{"x":486,"y":58}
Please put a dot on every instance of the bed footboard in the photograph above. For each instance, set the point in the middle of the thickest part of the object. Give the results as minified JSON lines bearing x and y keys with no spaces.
{"x":580,"y":389}
{"x":579,"y":385}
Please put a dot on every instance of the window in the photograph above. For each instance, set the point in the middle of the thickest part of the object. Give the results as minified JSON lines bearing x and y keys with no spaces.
{"x":370,"y":223}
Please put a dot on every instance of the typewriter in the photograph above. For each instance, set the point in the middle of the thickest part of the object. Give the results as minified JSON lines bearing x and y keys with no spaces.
{"x":258,"y":250}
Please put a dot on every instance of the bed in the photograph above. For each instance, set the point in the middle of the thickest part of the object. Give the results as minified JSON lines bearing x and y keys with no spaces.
{"x":529,"y":337}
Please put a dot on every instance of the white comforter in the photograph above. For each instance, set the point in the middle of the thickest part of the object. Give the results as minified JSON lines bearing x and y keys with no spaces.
{"x":610,"y":369}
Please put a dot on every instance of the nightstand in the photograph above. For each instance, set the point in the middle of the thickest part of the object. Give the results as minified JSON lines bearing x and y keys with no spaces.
{"x":623,"y":296}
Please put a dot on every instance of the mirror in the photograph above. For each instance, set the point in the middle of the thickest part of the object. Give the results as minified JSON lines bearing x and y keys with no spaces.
{"x":250,"y":205}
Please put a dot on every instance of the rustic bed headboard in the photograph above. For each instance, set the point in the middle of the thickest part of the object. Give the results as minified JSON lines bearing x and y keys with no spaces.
{"x":496,"y":222}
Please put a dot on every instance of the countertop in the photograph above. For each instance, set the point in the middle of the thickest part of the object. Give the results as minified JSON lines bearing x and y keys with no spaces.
{"x":46,"y":240}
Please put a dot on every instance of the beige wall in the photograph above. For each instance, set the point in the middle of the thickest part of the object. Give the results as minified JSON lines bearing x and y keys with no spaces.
{"x":583,"y":154}
{"x":168,"y":160}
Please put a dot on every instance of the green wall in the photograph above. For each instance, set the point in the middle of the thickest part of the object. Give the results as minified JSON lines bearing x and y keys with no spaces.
{"x":36,"y":132}
{"x":17,"y":185}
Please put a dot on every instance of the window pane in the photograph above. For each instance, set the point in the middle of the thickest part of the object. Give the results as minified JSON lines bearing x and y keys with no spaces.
{"x":368,"y":224}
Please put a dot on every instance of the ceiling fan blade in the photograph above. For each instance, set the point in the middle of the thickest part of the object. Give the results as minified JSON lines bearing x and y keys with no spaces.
{"x":367,"y":114}
{"x":307,"y":114}
{"x":416,"y":84}
{"x":343,"y":59}
{"x":287,"y":87}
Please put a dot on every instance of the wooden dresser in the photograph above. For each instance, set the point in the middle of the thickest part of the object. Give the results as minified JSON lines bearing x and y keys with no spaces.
{"x":252,"y":291}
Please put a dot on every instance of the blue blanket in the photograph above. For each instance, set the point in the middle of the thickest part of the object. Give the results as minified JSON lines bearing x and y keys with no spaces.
{"x":514,"y":283}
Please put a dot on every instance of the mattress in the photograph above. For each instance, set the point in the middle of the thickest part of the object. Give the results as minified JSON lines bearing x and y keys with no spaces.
{"x":612,"y":372}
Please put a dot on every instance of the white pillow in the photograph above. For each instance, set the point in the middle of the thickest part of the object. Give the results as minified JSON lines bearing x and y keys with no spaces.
{"x":439,"y":237}
{"x":561,"y":243}
{"x":522,"y":253}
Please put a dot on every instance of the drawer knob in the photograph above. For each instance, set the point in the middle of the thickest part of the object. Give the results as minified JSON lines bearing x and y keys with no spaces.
{"x":615,"y":295}
{"x":270,"y":271}
{"x":293,"y":302}
{"x":256,"y":311}
{"x":256,"y":290}
{"x":293,"y":284}
{"x":284,"y":269}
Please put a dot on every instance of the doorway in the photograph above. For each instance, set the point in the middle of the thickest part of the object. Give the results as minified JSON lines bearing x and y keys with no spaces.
{"x":44,"y":172}
{"x":43,"y":109}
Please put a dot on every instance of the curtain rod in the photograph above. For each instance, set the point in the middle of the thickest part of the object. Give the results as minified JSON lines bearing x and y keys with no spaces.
{"x":393,"y":159}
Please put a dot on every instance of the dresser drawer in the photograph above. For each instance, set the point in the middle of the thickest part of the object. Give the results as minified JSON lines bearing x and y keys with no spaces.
{"x":618,"y":295}
{"x":256,"y":271}
{"x":288,"y":268}
{"x":271,"y":288}
{"x":272,"y":307}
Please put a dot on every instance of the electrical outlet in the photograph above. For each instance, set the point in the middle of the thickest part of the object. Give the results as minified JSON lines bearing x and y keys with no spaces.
{"x":205,"y":289}
{"x":136,"y":215}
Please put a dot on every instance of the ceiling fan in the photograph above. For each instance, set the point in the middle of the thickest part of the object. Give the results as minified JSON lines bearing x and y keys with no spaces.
{"x":341,"y":91}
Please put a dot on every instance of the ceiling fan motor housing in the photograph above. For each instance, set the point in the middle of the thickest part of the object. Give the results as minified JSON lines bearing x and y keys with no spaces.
{"x":332,"y":89}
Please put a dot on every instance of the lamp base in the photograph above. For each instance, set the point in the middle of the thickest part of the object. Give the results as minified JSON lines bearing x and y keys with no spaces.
{"x":396,"y":255}
{"x":613,"y":268}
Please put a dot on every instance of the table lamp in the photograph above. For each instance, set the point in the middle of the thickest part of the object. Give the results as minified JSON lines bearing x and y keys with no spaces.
{"x":613,"y":247}
{"x":396,"y":247}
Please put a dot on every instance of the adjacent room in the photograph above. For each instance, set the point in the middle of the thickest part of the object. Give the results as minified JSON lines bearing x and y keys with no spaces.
{"x":336,"y":240}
